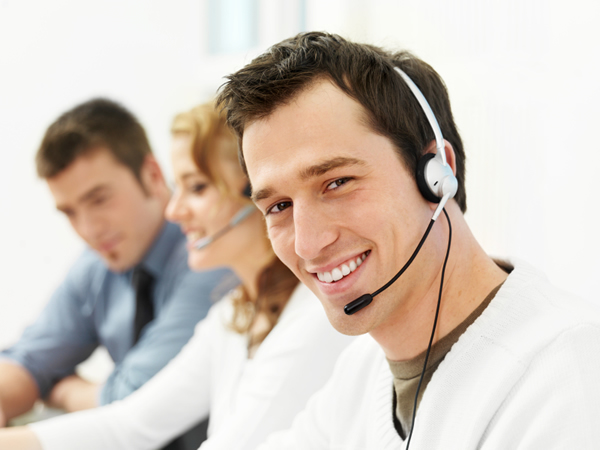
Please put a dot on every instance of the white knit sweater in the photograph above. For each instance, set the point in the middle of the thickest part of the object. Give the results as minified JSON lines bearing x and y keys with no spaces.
{"x":247,"y":399}
{"x":524,"y":375}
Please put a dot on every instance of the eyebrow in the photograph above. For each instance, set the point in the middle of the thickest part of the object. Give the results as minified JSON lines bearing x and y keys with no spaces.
{"x":93,"y":192}
{"x":313,"y":171}
{"x":326,"y":166}
{"x":85,"y":197}
{"x":188,"y":175}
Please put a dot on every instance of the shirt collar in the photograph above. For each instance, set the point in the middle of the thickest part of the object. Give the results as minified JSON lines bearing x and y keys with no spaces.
{"x":156,"y":258}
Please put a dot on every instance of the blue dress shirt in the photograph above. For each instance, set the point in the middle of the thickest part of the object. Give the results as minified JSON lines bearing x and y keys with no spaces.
{"x":94,"y":306}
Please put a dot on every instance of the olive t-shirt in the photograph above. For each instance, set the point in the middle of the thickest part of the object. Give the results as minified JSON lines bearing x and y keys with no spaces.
{"x":407,"y":373}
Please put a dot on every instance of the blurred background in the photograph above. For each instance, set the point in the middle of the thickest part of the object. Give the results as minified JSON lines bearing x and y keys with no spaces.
{"x":522,"y":76}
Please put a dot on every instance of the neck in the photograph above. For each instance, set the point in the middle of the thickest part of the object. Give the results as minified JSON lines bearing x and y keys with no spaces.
{"x":469,"y":277}
{"x":162,"y":200}
{"x":155,"y":228}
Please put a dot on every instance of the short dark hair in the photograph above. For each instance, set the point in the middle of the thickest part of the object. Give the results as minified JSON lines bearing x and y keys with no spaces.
{"x":96,"y":123}
{"x":365,"y":73}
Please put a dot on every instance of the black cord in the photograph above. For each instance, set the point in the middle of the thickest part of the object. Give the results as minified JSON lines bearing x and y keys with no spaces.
{"x":408,"y":263}
{"x":366,"y":299}
{"x":437,"y":312}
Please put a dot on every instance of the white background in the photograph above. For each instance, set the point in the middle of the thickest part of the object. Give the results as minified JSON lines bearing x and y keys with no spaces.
{"x":523,"y":77}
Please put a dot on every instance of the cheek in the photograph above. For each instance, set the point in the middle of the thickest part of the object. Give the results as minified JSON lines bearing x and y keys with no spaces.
{"x":204,"y":212}
{"x":282,"y":241}
{"x":126,"y":212}
{"x":219,"y":216}
{"x":75,"y":225}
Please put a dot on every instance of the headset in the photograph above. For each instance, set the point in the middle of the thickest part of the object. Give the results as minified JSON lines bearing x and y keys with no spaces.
{"x":435,"y":178}
{"x":235,"y":220}
{"x":438,"y":184}
{"x":435,"y":181}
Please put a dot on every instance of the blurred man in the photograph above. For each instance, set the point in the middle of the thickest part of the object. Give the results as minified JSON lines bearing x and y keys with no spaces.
{"x":351,"y":170}
{"x":130,"y":291}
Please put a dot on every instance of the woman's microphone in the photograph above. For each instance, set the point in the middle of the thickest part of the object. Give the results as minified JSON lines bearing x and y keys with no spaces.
{"x":241,"y":215}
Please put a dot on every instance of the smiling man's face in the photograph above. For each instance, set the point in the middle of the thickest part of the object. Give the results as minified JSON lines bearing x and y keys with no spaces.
{"x":108,"y":207}
{"x":338,"y":203}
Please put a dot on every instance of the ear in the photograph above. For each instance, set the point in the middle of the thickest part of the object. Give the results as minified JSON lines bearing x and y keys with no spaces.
{"x":152,"y":178}
{"x":436,"y":178}
{"x":448,"y":151}
{"x":450,"y":156}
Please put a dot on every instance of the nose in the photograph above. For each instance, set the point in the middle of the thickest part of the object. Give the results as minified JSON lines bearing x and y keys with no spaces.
{"x":314,"y":230}
{"x":176,"y":210}
{"x":89,"y":226}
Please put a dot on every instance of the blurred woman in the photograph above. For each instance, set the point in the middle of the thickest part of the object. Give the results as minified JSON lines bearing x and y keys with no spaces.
{"x":257,"y":357}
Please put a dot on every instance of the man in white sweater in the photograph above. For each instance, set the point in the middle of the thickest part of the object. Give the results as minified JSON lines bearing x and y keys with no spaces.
{"x":351,"y":170}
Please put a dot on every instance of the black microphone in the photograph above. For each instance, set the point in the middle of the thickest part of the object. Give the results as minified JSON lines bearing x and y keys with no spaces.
{"x":365,"y":300}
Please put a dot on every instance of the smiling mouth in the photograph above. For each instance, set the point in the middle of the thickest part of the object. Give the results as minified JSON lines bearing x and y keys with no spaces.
{"x":193,"y":238}
{"x":343,"y":270}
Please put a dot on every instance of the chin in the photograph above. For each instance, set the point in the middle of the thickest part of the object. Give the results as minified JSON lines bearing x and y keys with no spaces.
{"x":119,"y":259}
{"x":353,"y":325}
{"x":117,"y":265}
{"x":197,"y":262}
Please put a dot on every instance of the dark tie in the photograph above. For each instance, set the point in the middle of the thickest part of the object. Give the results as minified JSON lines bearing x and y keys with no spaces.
{"x":142,"y":282}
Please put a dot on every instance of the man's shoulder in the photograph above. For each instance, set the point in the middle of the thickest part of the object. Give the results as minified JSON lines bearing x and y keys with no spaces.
{"x":529,"y":312}
{"x":534,"y":349}
{"x":87,"y":264}
{"x":167,"y":253}
{"x":168,"y":260}
{"x":528,"y":291}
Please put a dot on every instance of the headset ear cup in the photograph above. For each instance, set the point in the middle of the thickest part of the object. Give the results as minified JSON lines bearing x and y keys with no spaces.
{"x":422,"y":179}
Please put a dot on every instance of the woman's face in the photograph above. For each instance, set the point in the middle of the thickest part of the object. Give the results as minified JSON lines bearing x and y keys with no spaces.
{"x":201,"y":210}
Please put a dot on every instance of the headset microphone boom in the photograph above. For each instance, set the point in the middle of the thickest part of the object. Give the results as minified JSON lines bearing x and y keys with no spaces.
{"x":235,"y":220}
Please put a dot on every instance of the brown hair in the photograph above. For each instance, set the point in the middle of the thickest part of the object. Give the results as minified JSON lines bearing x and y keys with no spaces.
{"x":212,"y":140}
{"x":95,"y":123}
{"x":366,"y":74}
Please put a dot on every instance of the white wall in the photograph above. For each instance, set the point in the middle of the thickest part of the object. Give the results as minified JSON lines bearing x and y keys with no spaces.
{"x":522,"y":76}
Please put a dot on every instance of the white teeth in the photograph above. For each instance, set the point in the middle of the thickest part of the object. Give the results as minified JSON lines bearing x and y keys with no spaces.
{"x":337,"y":274}
{"x":345,"y":269}
{"x":192,"y":236}
{"x":340,"y":272}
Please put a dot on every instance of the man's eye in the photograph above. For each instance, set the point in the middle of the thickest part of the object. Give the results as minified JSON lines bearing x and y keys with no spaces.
{"x":337,"y":183}
{"x":198,"y":188}
{"x":97,"y":201}
{"x":279,"y":207}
